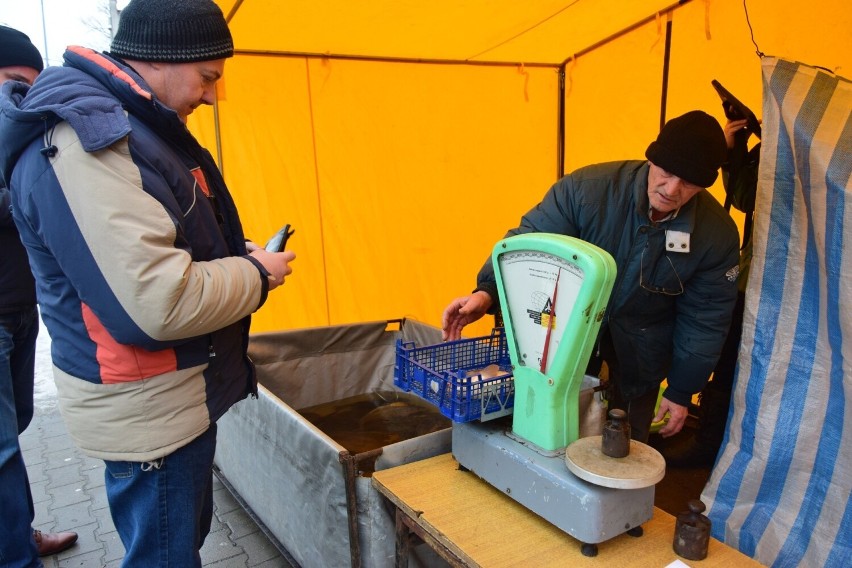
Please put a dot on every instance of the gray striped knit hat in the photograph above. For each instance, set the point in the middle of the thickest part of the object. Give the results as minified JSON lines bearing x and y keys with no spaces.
{"x":172,"y":31}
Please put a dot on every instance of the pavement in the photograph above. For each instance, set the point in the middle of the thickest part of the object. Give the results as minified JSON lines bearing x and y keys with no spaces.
{"x":68,"y":493}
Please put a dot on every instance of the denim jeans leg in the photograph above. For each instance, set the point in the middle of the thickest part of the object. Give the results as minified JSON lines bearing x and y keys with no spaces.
{"x":17,"y":354}
{"x":162,"y":510}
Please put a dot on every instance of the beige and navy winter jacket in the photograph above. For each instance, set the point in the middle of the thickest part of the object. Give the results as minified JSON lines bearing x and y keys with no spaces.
{"x":139,"y":257}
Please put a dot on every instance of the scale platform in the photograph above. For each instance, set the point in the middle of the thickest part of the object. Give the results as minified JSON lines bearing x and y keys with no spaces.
{"x":542,"y":482}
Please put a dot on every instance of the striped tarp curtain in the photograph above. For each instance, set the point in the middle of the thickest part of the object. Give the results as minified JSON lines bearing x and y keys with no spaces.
{"x":780,"y":490}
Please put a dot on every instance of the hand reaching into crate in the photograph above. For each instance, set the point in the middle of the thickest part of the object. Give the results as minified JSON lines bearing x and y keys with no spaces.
{"x":463,"y":311}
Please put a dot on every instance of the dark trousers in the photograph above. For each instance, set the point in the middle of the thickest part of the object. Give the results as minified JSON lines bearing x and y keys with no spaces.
{"x":18,"y":331}
{"x":640,"y":409}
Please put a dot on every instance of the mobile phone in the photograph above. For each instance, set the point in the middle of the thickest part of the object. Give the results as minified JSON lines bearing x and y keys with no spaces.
{"x":735,"y":110}
{"x":279,"y":240}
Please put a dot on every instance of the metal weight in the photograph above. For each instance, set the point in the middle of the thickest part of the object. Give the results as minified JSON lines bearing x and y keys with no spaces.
{"x":692,"y":532}
{"x":615,"y":441}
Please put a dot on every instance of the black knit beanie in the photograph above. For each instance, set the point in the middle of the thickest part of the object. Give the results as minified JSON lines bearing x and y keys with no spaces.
{"x":16,"y":49}
{"x":692,"y":147}
{"x":172,"y":31}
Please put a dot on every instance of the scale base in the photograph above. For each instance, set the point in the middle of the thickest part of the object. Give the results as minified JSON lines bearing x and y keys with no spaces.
{"x":544,"y":485}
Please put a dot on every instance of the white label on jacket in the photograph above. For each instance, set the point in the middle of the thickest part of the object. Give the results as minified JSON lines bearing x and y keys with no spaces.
{"x":677,"y":241}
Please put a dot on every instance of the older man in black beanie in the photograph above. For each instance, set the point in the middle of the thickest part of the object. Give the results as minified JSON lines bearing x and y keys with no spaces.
{"x":676,"y":250}
{"x":144,"y":277}
{"x":20,"y":61}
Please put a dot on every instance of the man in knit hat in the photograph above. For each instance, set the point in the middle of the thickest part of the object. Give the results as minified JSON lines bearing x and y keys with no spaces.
{"x":145,"y":280}
{"x":676,"y":251}
{"x":19,"y":544}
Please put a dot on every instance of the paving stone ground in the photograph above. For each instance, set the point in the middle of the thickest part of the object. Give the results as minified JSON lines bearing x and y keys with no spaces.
{"x":68,"y":493}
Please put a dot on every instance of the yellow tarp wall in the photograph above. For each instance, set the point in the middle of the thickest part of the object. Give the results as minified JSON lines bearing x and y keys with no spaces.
{"x":399,"y":175}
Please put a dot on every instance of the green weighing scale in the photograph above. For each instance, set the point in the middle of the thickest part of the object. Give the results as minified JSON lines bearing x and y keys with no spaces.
{"x":553,"y":293}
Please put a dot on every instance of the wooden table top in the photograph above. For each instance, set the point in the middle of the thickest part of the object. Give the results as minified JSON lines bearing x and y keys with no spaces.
{"x":486,"y":528}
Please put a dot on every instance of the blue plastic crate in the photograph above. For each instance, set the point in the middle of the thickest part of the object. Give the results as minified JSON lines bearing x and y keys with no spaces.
{"x":446,"y":376}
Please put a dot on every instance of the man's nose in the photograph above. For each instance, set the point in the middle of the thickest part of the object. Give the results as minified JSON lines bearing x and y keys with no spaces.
{"x":209,"y":95}
{"x":674,"y":187}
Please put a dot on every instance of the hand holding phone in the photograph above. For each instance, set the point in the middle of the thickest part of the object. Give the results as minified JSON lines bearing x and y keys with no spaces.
{"x":735,"y":110}
{"x":279,"y":240}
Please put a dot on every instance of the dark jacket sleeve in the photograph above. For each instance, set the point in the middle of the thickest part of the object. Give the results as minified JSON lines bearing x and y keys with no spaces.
{"x":703,"y":314}
{"x":739,"y":176}
{"x":6,"y":221}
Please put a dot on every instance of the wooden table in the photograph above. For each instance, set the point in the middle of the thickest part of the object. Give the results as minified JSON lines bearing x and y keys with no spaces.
{"x":469,"y":523}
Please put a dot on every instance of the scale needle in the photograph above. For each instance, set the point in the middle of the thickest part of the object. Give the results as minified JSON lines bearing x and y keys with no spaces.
{"x":550,"y":322}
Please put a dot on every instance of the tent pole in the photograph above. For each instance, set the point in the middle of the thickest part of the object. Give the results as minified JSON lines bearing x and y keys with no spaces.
{"x":388,"y":59}
{"x":218,"y":136}
{"x":233,"y":11}
{"x":560,"y":130}
{"x":668,"y":11}
{"x":666,"y":59}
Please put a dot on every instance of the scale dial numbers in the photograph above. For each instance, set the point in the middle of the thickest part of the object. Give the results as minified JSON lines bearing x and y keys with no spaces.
{"x":538,"y":286}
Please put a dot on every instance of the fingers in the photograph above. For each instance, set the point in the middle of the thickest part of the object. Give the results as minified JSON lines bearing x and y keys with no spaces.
{"x":277,"y":264}
{"x":451,"y":311}
{"x":451,"y":320}
{"x":452,"y":333}
{"x":731,"y":128}
{"x":670,"y":429}
{"x":677,"y":417}
{"x":461,"y":312}
{"x":273,"y":282}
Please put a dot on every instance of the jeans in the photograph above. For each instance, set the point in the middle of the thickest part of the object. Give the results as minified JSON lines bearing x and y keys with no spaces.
{"x":162,"y":509}
{"x":18,"y":333}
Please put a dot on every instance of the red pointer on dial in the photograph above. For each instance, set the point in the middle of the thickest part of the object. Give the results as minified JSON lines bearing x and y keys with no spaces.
{"x":550,"y":323}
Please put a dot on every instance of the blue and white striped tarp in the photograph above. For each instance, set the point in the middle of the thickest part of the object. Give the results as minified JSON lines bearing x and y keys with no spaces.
{"x":780,"y":491}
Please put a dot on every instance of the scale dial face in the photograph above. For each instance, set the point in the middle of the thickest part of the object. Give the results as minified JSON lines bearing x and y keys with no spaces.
{"x":538,"y":285}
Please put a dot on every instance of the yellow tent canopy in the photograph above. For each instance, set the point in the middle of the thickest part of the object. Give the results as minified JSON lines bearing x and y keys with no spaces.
{"x":402,"y":138}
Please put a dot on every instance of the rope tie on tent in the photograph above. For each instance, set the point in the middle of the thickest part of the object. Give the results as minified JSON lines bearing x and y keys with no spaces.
{"x":659,"y":20}
{"x":707,"y":20}
{"x":526,"y":75}
{"x":569,"y":74}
